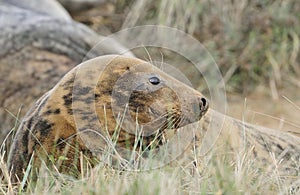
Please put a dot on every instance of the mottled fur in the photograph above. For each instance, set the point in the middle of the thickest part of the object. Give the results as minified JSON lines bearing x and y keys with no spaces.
{"x":39,"y":43}
{"x":87,"y":101}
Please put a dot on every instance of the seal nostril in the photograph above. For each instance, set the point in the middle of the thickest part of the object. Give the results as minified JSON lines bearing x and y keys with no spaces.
{"x":203,"y":100}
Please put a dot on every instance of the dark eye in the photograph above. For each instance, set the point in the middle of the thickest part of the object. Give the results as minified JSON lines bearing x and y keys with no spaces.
{"x":154,"y":80}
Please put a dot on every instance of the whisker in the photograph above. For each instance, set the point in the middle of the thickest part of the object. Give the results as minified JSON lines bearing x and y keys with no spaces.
{"x":146,"y":50}
{"x":162,"y":61}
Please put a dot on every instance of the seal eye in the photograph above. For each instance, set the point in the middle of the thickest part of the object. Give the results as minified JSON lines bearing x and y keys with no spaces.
{"x":154,"y":80}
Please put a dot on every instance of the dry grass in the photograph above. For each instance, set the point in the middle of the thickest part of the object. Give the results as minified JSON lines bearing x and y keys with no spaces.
{"x":252,"y":41}
{"x":224,"y":174}
{"x":220,"y":171}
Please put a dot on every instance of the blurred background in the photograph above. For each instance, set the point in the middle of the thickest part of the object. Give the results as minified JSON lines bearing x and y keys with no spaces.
{"x":255,"y":44}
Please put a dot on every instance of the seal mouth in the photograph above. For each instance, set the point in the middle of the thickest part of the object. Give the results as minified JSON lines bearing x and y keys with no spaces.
{"x":175,"y":117}
{"x":171,"y":119}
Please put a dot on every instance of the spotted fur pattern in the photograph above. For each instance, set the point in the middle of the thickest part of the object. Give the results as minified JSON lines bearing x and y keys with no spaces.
{"x":86,"y":103}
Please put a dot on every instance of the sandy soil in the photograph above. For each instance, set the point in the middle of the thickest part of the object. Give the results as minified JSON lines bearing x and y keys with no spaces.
{"x":259,"y":108}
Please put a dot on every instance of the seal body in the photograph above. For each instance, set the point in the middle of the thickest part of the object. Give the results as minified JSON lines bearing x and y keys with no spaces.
{"x":97,"y":100}
{"x":36,"y":52}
